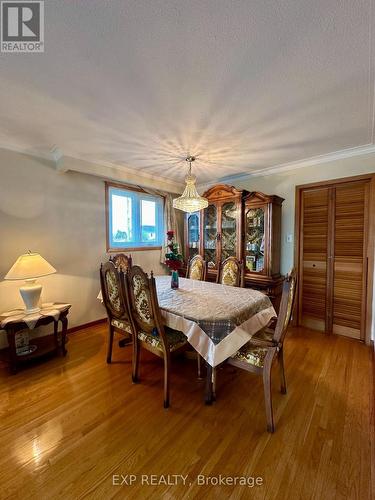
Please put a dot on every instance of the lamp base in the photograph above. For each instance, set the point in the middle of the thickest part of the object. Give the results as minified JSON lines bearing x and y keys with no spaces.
{"x":30,"y":294}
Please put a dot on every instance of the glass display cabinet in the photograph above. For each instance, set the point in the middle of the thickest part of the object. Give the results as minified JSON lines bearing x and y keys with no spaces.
{"x":254,"y":239}
{"x":262,"y":243}
{"x":220,"y":228}
{"x":243,"y":225}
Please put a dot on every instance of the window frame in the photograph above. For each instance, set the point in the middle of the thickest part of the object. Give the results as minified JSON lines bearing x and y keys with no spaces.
{"x":140,"y":192}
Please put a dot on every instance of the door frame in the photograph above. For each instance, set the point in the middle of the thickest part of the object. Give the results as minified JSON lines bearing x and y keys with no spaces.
{"x":369,"y":216}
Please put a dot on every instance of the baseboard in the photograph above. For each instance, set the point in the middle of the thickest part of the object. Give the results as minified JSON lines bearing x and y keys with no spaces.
{"x":87,"y":325}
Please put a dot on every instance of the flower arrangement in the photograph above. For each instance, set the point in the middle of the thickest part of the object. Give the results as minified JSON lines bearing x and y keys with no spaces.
{"x":173,"y":259}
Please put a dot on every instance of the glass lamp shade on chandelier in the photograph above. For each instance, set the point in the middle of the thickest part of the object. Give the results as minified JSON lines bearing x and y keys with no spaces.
{"x":190,"y":200}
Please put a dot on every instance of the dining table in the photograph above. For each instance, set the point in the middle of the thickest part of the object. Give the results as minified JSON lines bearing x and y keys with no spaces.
{"x":217,"y":319}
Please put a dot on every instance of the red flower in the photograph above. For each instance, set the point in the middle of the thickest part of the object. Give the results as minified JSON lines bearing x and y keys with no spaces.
{"x":174,"y":265}
{"x":170,"y":234}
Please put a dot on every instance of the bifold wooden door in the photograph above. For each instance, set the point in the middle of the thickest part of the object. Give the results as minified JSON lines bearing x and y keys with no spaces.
{"x":332,"y":258}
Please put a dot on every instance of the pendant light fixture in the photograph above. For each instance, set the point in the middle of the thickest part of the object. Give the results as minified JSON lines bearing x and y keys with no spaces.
{"x":190,"y":200}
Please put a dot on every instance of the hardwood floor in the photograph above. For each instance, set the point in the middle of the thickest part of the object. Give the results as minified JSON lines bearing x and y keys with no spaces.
{"x":68,"y":425}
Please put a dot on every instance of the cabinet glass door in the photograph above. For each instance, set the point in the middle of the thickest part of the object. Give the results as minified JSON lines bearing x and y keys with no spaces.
{"x":193,"y":235}
{"x":228,"y":230}
{"x":254,"y":240}
{"x":210,"y":235}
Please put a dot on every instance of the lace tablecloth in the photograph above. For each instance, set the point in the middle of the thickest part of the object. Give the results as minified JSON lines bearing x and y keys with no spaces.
{"x":48,"y":309}
{"x":217,"y":319}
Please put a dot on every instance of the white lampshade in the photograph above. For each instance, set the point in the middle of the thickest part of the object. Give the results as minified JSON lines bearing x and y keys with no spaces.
{"x":29,"y":266}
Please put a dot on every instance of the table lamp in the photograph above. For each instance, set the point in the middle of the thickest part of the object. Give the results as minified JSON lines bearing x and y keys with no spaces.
{"x":28,"y":267}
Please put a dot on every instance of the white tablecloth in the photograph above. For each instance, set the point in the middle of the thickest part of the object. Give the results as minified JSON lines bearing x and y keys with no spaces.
{"x":217,"y":319}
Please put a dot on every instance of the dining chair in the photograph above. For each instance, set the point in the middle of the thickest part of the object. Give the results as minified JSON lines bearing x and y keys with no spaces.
{"x":112,"y":286}
{"x":231,"y":272}
{"x":148,"y":327}
{"x":266,"y":346}
{"x":197,"y":268}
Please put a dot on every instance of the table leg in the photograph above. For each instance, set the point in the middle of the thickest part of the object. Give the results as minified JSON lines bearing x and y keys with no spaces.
{"x":56,"y":334}
{"x":11,"y":335}
{"x":208,"y":397}
{"x":64,"y":323}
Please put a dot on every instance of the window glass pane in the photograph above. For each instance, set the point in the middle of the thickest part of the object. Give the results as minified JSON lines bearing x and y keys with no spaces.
{"x":122,"y":231}
{"x":134,"y":219}
{"x":148,"y":221}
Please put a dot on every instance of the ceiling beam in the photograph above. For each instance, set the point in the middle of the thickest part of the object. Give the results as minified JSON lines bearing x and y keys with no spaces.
{"x":117,"y":173}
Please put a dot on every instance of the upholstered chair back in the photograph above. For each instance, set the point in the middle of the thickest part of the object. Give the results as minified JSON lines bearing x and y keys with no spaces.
{"x":113,"y":290}
{"x":143,"y":301}
{"x":197,"y":268}
{"x":231,"y":272}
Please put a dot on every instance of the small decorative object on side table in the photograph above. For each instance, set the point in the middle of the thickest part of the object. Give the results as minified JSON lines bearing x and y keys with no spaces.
{"x":173,"y":258}
{"x":17,"y":320}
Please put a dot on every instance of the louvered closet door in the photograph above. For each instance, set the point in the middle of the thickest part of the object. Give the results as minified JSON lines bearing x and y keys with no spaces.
{"x":349,"y":276}
{"x":314,"y":239}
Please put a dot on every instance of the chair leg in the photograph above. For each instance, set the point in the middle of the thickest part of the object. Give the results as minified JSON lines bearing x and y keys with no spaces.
{"x":268,"y":397}
{"x":135,"y":362}
{"x":282,"y":370}
{"x":167,"y":362}
{"x":110,"y":343}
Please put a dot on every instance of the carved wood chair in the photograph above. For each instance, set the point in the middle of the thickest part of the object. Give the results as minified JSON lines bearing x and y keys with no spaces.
{"x":266,"y":346}
{"x":148,"y":327}
{"x":231,"y":272}
{"x":112,"y":285}
{"x":122,"y":261}
{"x":197,"y":268}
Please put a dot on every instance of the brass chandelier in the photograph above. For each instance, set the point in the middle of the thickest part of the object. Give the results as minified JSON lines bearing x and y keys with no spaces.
{"x":190,"y":200}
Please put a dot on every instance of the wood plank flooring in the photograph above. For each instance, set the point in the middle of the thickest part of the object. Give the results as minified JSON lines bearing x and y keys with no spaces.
{"x":68,"y":425}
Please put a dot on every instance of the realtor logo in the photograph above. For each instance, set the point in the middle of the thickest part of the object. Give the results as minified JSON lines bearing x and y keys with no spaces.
{"x":22,"y":26}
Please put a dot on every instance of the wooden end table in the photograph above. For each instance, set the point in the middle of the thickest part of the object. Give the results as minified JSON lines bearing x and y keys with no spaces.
{"x":45,"y":344}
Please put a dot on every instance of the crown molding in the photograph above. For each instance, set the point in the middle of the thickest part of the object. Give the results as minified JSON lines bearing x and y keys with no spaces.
{"x":343,"y":154}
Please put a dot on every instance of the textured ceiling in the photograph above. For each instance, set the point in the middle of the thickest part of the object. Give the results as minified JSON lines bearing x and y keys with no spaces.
{"x":244,"y":84}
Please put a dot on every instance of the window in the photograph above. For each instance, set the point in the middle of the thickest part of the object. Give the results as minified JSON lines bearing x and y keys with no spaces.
{"x":134,"y":219}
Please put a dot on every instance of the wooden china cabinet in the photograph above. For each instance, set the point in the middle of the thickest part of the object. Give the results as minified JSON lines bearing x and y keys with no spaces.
{"x":262,"y":243}
{"x":240,"y":224}
{"x":216,"y":232}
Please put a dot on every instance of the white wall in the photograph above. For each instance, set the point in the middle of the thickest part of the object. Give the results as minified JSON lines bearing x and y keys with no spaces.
{"x":61,"y":216}
{"x":284,"y":184}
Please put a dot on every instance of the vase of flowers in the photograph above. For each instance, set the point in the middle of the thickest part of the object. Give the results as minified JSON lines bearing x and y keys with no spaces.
{"x":173,"y":258}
